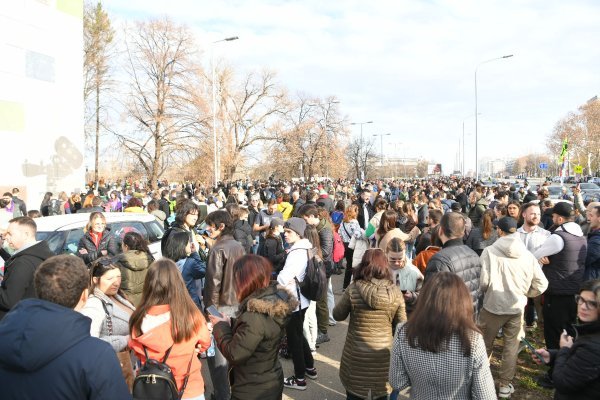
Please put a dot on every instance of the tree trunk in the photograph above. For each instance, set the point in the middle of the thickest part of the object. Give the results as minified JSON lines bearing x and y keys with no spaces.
{"x":97,"y":149}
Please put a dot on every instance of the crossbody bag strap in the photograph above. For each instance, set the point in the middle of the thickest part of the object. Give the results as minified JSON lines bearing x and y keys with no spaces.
{"x":187,"y":375}
{"x":109,"y":324}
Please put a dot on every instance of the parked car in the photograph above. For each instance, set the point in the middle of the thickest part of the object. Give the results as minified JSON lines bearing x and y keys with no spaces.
{"x":63,"y":232}
{"x":555,"y":192}
{"x":589,"y":188}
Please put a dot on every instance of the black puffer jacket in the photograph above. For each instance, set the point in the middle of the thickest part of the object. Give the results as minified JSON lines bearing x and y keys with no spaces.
{"x":251,"y":344}
{"x":576,"y":373}
{"x":242,"y":232}
{"x":274,"y":251}
{"x":109,"y":242}
{"x":460,"y":259}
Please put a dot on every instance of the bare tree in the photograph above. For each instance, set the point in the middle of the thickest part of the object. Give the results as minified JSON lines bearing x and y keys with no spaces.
{"x":160,"y":65}
{"x":247,"y":113}
{"x":98,"y":36}
{"x":361,"y":155}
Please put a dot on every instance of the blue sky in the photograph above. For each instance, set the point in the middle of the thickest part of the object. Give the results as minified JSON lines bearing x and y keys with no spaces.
{"x":409,"y":65}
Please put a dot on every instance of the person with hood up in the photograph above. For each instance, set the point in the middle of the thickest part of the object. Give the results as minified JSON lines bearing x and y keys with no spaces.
{"x":46,"y":351}
{"x":251,"y":343}
{"x":294,"y":271}
{"x":375,"y":306}
{"x":509,"y":274}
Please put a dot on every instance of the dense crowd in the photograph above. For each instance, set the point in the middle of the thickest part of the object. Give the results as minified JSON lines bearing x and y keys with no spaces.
{"x":434,"y":270}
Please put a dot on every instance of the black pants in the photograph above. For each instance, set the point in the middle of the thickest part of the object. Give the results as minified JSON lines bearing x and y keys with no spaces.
{"x":297,"y":344}
{"x":529,"y":312}
{"x":350,"y":396}
{"x":560,"y":311}
{"x":348,"y":254}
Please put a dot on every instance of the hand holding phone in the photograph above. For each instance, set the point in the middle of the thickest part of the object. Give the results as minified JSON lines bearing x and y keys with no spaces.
{"x":212,"y":310}
{"x":533,"y":350}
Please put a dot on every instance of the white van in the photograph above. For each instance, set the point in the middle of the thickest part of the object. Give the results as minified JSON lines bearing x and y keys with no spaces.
{"x":63,"y":232}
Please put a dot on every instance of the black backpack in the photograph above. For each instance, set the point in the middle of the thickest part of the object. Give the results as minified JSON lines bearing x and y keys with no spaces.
{"x":314,"y":285}
{"x":155,"y":380}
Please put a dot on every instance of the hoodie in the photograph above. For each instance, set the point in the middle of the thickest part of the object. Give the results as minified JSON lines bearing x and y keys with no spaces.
{"x":295,"y":268}
{"x":509,"y":274}
{"x":47,"y":352}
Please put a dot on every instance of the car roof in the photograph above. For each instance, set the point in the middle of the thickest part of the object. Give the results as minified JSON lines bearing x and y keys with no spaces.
{"x":79,"y":220}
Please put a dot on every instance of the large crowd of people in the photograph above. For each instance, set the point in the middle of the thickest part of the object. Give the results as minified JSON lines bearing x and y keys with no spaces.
{"x":434,"y":270}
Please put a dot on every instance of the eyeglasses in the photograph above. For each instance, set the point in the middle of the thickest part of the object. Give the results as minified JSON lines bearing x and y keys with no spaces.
{"x":590,"y":304}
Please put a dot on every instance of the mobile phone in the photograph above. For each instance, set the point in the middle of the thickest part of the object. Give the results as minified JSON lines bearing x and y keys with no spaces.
{"x":532,"y":349}
{"x":212,"y":310}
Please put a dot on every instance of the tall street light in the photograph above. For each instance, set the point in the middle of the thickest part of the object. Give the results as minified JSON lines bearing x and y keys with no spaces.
{"x":381,"y":135}
{"x":214,"y":105}
{"x":476,"y":144}
{"x":362,"y":173}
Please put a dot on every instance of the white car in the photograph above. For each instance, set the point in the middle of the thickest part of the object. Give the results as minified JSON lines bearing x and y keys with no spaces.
{"x":63,"y":232}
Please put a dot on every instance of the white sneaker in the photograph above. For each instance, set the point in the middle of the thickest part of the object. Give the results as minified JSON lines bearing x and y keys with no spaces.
{"x":506,"y":391}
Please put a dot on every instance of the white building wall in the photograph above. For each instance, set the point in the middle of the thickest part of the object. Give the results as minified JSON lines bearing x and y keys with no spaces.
{"x":41,"y":97}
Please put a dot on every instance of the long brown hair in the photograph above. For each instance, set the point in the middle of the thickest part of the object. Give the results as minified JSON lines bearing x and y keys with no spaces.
{"x":487,"y":226}
{"x":386,"y":223}
{"x":93,"y":216}
{"x":444,"y":309}
{"x":374,"y":265}
{"x":164,"y":285}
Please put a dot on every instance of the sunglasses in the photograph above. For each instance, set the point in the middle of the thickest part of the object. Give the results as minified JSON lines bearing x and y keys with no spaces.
{"x":590,"y":304}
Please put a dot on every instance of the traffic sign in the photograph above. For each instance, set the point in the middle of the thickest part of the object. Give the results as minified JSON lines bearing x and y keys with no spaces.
{"x":578,"y":169}
{"x":543,"y":166}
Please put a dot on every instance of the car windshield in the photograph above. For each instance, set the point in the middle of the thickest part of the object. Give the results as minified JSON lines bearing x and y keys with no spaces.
{"x":589,"y":186}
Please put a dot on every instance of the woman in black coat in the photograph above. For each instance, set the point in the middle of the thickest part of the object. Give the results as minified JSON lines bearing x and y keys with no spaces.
{"x":576,"y":374}
{"x":97,"y":240}
{"x":272,"y":248}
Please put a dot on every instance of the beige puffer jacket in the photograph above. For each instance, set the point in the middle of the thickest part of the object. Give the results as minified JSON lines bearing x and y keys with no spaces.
{"x":375,"y":308}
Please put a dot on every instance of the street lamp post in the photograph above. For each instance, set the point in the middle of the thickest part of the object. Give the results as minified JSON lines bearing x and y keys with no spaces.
{"x":381,"y":135}
{"x":361,"y":138}
{"x":214,"y":106}
{"x":476,"y":144}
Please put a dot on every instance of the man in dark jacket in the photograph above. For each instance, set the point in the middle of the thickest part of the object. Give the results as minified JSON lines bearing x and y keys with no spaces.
{"x":19,"y":269}
{"x":46,"y":351}
{"x":298,"y":203}
{"x":365,"y":211}
{"x":456,"y":257}
{"x":165,"y":206}
{"x":219,"y":289}
{"x":18,"y":202}
{"x":96,"y":206}
{"x":592,"y":259}
{"x":325,"y":201}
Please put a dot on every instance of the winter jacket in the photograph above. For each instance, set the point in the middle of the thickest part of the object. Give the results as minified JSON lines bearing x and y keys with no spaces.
{"x":157,"y":340}
{"x":409,"y":280}
{"x":326,"y":240}
{"x":476,"y":211}
{"x":286,"y":209}
{"x":447,"y":374}
{"x":219,"y":288}
{"x":18,"y":275}
{"x":592,"y":259}
{"x":325,"y":202}
{"x":509,"y":274}
{"x":96,"y":307}
{"x":375,"y":308}
{"x":394,"y":233}
{"x":476,"y":241}
{"x":422,"y":258}
{"x":546,"y":219}
{"x":273,"y":250}
{"x":134,"y":266}
{"x":295,"y":269}
{"x":242,"y":232}
{"x":347,"y":229}
{"x":192,"y":268}
{"x":108,"y":242}
{"x":251,"y":344}
{"x":460,"y":259}
{"x":46,"y":352}
{"x":576,"y":373}
{"x":160,"y":216}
